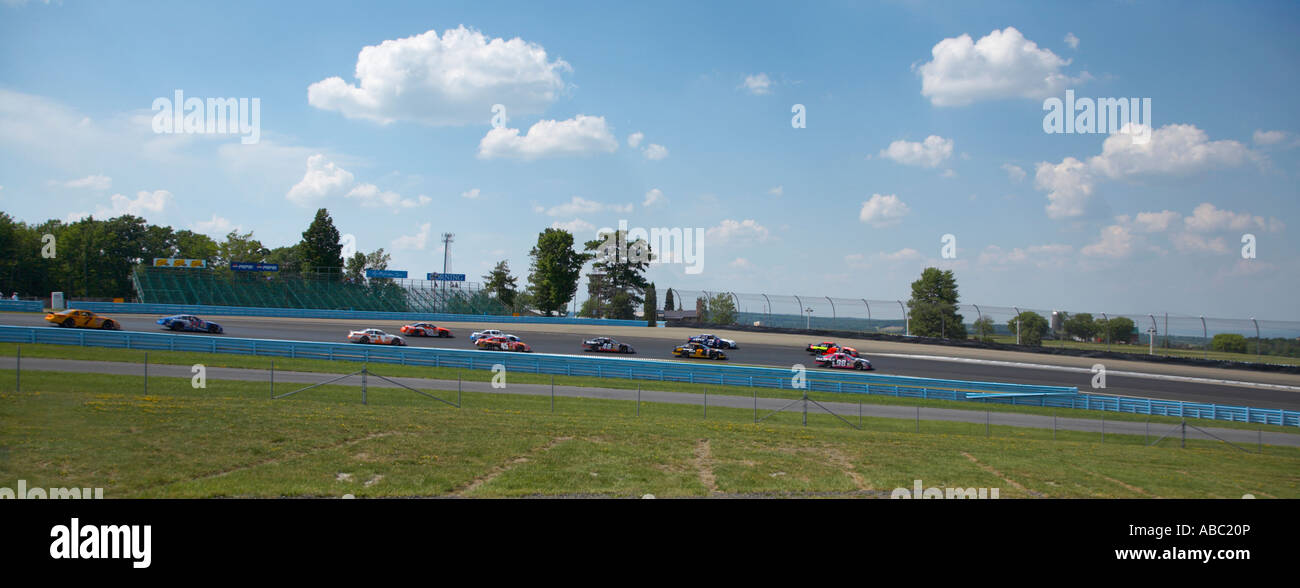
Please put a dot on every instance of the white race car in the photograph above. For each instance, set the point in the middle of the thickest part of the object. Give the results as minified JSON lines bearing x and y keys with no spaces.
{"x":476,"y":335}
{"x":374,"y":337}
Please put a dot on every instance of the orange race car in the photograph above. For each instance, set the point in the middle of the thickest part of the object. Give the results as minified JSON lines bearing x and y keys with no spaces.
{"x":425,"y":330}
{"x":82,"y":318}
{"x":502,"y":343}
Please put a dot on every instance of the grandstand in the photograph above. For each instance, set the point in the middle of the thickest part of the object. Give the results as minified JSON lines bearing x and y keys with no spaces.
{"x":160,"y":285}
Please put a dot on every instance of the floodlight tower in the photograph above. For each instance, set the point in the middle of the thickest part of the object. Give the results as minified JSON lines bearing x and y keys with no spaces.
{"x":447,"y":239}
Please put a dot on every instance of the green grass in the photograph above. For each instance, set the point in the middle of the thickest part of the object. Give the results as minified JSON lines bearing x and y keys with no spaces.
{"x":394,"y":370}
{"x":74,"y":430}
{"x":1143,"y":349}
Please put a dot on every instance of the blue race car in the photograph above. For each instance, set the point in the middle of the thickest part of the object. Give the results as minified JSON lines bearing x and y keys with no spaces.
{"x":189,"y":322}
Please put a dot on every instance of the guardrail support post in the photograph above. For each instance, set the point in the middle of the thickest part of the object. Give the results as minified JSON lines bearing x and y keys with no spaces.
{"x":552,"y":394}
{"x":272,"y":379}
{"x":638,"y":400}
{"x":364,"y":369}
{"x":706,"y":403}
{"x":146,"y":372}
{"x":18,"y":383}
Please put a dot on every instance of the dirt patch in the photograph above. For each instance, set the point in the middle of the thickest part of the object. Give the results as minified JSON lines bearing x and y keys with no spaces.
{"x":342,"y":477}
{"x":374,"y":480}
{"x":990,"y":469}
{"x":704,"y":465}
{"x":841,"y":461}
{"x":282,"y":458}
{"x":497,"y":470}
{"x":1126,"y":486}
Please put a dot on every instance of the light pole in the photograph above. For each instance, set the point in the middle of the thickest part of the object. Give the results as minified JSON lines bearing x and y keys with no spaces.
{"x":808,"y":323}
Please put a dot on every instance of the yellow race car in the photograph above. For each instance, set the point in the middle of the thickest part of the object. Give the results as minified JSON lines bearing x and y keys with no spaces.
{"x":698,"y":351}
{"x":82,"y":318}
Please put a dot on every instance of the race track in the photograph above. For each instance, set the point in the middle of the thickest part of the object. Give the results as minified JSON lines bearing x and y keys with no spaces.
{"x":784,"y":351}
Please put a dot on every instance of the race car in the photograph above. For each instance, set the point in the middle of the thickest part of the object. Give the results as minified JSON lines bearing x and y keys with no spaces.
{"x":827,"y":347}
{"x":698,"y":351}
{"x":713,"y":341}
{"x":189,"y":322}
{"x":82,"y":318}
{"x":375,"y":337}
{"x":485,"y":333}
{"x":425,"y":330}
{"x":606,"y":344}
{"x":844,"y":361}
{"x":502,"y":343}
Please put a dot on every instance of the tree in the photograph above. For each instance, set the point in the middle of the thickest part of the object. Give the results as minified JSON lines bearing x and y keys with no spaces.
{"x":553,"y":276}
{"x":238,"y":247}
{"x":650,"y":310}
{"x":620,"y":265}
{"x":984,"y":328}
{"x":621,"y":306}
{"x":191,"y":245}
{"x":1081,"y":325}
{"x":288,"y":258}
{"x":1116,"y":330}
{"x":1228,"y":342}
{"x":320,"y":246}
{"x":721,"y":309}
{"x":1030,"y":327}
{"x":933,"y":307}
{"x":668,"y":301}
{"x":501,"y":283}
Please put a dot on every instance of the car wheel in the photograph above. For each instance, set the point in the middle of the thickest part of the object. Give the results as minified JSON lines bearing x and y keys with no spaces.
{"x":364,"y":340}
{"x":174,"y":325}
{"x":214,"y":329}
{"x":107,"y":325}
{"x":69,"y":323}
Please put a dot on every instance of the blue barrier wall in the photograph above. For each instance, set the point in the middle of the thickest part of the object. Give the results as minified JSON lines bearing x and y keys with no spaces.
{"x":22,"y":305}
{"x":170,"y":309}
{"x":659,"y":370}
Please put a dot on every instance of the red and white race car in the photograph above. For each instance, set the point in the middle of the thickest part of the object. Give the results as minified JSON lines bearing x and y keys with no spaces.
{"x":502,"y":343}
{"x":425,"y":330}
{"x":374,"y":337}
{"x":844,"y":361}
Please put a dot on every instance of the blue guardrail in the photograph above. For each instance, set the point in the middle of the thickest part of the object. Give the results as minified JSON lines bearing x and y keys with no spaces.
{"x":658,"y":370}
{"x":22,"y":305}
{"x":170,"y":309}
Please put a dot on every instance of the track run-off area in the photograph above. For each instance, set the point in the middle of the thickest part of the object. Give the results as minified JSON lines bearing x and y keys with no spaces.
{"x":1123,"y":377}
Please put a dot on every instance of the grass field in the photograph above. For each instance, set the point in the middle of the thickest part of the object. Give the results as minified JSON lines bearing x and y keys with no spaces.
{"x":1143,"y":349}
{"x":391,"y":370}
{"x":72,"y":430}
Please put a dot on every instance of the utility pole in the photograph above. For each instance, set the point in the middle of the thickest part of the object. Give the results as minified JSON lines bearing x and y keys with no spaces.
{"x":447,"y":239}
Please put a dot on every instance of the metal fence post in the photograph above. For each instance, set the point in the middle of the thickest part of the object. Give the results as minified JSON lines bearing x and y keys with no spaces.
{"x":1261,"y":440}
{"x":146,"y":372}
{"x":638,"y":400}
{"x":706,"y":403}
{"x":1053,"y":426}
{"x":918,"y":418}
{"x":458,"y":403}
{"x":1184,"y":444}
{"x":364,"y":369}
{"x":988,"y":423}
{"x":1103,"y":427}
{"x":755,"y":406}
{"x":552,"y":394}
{"x":272,"y":379}
{"x":18,"y":383}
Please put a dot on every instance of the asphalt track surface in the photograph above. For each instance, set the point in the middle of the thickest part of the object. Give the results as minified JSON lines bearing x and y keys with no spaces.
{"x":763,"y":407}
{"x":766,"y":354}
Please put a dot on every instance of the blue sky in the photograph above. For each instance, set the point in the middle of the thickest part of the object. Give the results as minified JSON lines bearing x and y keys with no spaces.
{"x":923,"y":119}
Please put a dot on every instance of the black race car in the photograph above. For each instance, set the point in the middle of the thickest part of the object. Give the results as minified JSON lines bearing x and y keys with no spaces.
{"x":607,"y":345}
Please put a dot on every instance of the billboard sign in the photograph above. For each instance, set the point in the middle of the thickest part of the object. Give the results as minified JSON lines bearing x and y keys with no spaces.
{"x":436,"y":277}
{"x":374,"y":273}
{"x":251,"y":266}
{"x":176,"y":262}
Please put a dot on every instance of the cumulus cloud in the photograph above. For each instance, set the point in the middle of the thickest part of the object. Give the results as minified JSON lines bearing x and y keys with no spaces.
{"x":578,"y":205}
{"x":472,"y":194}
{"x":746,"y":230}
{"x":416,"y":242}
{"x":1173,"y":150}
{"x":1003,"y":64}
{"x":883,"y":210}
{"x":1156,"y":222}
{"x":1072,"y":40}
{"x":324,"y":180}
{"x":655,"y":152}
{"x":1208,"y":218}
{"x":575,"y":226}
{"x":1115,"y":241}
{"x":634,"y":140}
{"x":1192,"y":242}
{"x":92,"y":182}
{"x":449,"y":80}
{"x":758,"y":84}
{"x":216,"y":226}
{"x":1262,"y":137}
{"x":1014,"y":172}
{"x":146,"y":205}
{"x":579,"y":136}
{"x":929,"y":153}
{"x":653,"y":197}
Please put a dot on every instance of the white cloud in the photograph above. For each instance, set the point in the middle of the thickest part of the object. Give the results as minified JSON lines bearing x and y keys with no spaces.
{"x":1072,"y":40}
{"x":449,"y":80}
{"x":758,"y":84}
{"x":146,"y":204}
{"x":948,"y":173}
{"x":655,"y":152}
{"x":1194,"y":242}
{"x":904,"y":254}
{"x":575,"y":226}
{"x":325,"y":180}
{"x":929,"y":153}
{"x":216,"y":227}
{"x":471,"y":194}
{"x":729,"y":230}
{"x":1014,"y":172}
{"x":653,"y":197}
{"x":416,"y":242}
{"x":1156,"y":222}
{"x":1114,"y":241}
{"x":578,"y":205}
{"x":578,"y":136}
{"x":1003,"y":64}
{"x":883,"y":210}
{"x":1262,"y":137}
{"x":1207,"y":218}
{"x":777,"y":191}
{"x":93,"y":182}
{"x":634,"y":140}
{"x":1173,"y":150}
